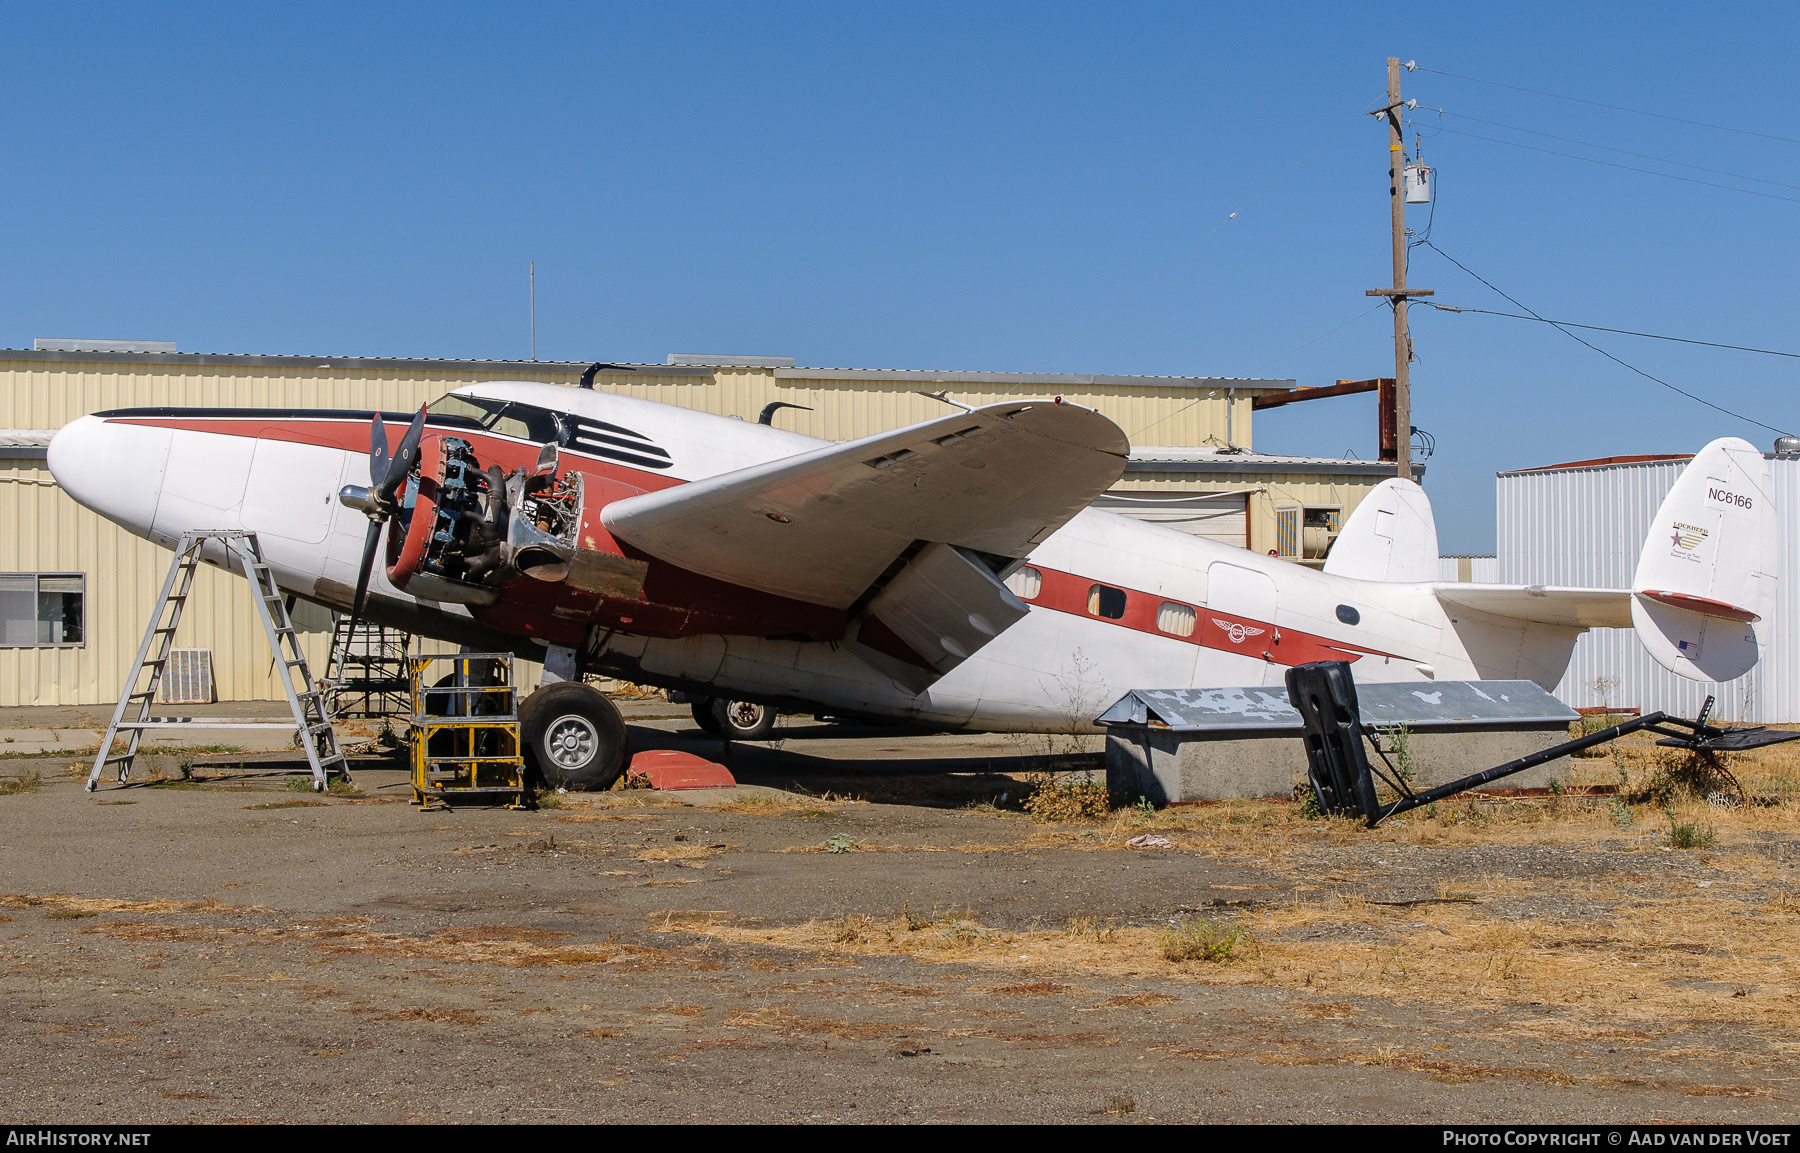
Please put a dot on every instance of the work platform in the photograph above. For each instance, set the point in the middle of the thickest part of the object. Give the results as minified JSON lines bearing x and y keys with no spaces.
{"x":1174,"y":745}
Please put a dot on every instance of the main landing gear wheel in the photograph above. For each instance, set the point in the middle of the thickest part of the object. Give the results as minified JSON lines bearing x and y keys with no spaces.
{"x":703,"y":715}
{"x":739,"y":720}
{"x":573,"y":736}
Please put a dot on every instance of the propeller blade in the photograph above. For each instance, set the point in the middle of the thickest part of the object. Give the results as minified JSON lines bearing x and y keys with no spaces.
{"x":362,"y":575}
{"x":405,"y":456}
{"x":378,"y":452}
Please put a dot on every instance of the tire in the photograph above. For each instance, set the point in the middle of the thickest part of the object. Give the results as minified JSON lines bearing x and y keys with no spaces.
{"x":703,"y":716}
{"x":742,"y":720}
{"x":573,"y":737}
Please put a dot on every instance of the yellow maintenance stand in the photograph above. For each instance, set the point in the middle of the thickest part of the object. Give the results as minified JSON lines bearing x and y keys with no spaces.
{"x":465,"y":729}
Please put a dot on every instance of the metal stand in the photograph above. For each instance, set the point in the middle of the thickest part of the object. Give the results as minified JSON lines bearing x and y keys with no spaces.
{"x":311,"y":723}
{"x":366,"y":673}
{"x":1343,"y":780}
{"x":465,"y":732}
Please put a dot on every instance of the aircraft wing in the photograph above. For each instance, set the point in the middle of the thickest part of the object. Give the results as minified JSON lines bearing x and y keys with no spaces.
{"x":1580,"y":608}
{"x":826,"y":525}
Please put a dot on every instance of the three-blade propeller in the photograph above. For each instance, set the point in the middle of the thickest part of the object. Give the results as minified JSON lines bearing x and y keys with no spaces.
{"x":386,"y":475}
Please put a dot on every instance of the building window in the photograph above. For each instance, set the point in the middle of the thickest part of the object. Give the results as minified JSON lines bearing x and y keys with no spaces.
{"x":1106,"y":601}
{"x":1174,"y":618}
{"x":1026,"y":584}
{"x":42,"y":610}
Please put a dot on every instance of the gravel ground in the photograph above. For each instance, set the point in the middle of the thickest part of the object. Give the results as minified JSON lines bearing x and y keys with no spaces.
{"x":230,"y":950}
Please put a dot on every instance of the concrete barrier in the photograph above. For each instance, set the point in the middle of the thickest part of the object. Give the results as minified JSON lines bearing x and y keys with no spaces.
{"x":1170,"y":746}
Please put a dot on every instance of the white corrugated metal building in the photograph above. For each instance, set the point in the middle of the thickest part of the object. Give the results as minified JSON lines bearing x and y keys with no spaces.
{"x":1584,"y":524}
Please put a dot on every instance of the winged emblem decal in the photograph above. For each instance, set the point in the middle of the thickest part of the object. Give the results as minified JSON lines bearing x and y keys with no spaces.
{"x":1236,"y":631}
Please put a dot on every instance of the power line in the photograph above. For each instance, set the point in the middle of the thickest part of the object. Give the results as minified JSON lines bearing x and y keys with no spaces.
{"x":1621,"y":331}
{"x":1608,"y":148}
{"x":1560,"y":328}
{"x":1613,"y":107}
{"x":1626,"y":167}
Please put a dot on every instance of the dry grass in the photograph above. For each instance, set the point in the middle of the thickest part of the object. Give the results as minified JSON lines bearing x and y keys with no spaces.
{"x":85,"y":905}
{"x":27,"y":781}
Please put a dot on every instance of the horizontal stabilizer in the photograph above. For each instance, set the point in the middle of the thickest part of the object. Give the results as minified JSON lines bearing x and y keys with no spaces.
{"x":1581,"y":608}
{"x":1706,"y":578}
{"x":826,"y":525}
{"x":1391,"y":536}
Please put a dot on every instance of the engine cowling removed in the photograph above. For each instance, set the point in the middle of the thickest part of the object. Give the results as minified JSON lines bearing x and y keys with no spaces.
{"x":462,"y":532}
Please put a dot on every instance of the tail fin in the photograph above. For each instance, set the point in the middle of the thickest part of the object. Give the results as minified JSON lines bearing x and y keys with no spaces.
{"x":1705,"y":581}
{"x":1390,"y":537}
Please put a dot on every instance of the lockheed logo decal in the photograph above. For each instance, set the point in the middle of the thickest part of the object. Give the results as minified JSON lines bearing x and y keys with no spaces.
{"x":1237,"y":632}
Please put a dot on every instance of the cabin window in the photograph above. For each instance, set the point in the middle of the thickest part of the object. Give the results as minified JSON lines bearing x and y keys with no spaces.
{"x":42,"y":610}
{"x":1106,"y":601}
{"x":1174,"y":618}
{"x":1026,"y":584}
{"x":1349,"y":615}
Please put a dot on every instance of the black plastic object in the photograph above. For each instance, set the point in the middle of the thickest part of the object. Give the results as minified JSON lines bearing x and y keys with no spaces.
{"x":1324,"y":694}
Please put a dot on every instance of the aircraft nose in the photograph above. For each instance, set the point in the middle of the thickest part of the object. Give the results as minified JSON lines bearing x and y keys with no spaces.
{"x":115,"y":469}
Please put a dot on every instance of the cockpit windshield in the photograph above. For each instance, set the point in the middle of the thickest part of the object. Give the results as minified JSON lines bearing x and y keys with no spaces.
{"x":506,"y":418}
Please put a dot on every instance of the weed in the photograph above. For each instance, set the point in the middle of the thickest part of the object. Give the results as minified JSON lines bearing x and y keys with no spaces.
{"x":340,"y":787}
{"x":1081,"y":925}
{"x":964,"y":933}
{"x":852,"y":929}
{"x":1051,"y":800}
{"x":26,"y":782}
{"x":1196,"y":939}
{"x":299,"y":784}
{"x":1118,"y":1103}
{"x":1399,"y":739}
{"x":1556,"y":787}
{"x":1679,"y":775}
{"x":68,"y":914}
{"x":841,"y":843}
{"x":914,"y":922}
{"x":1691,"y":834}
{"x":1145,"y":808}
{"x":546,"y":799}
{"x":1308,"y":799}
{"x":1621,"y":812}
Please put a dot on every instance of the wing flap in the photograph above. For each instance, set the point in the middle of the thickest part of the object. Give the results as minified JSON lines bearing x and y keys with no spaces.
{"x":1583,"y":608}
{"x":825,"y":525}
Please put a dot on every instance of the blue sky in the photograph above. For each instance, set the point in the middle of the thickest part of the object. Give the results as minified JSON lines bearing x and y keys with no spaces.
{"x":960,"y":186}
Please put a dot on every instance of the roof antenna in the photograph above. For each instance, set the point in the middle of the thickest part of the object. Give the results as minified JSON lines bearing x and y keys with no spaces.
{"x":775,"y":406}
{"x":587,"y":378}
{"x":944,"y":395}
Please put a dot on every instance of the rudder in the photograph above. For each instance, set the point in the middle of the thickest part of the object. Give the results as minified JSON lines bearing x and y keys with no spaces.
{"x":1706,"y":579}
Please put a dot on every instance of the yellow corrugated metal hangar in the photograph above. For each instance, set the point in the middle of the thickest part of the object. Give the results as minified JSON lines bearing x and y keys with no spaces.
{"x":76,"y":590}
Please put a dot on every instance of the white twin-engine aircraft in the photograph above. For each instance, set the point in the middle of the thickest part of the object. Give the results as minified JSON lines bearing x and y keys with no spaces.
{"x":950,"y":572}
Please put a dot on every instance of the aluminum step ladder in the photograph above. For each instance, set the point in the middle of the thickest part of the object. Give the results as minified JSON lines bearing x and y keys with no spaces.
{"x":311,"y":722}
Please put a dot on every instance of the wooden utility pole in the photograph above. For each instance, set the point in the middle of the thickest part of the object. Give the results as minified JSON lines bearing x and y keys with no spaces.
{"x":1398,"y":294}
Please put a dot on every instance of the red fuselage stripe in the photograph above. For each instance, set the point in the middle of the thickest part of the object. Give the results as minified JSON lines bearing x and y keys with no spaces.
{"x":1066,"y":592}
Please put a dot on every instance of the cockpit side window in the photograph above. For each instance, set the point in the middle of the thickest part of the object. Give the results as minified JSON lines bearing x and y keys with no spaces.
{"x":461,"y":410}
{"x":527,"y":422}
